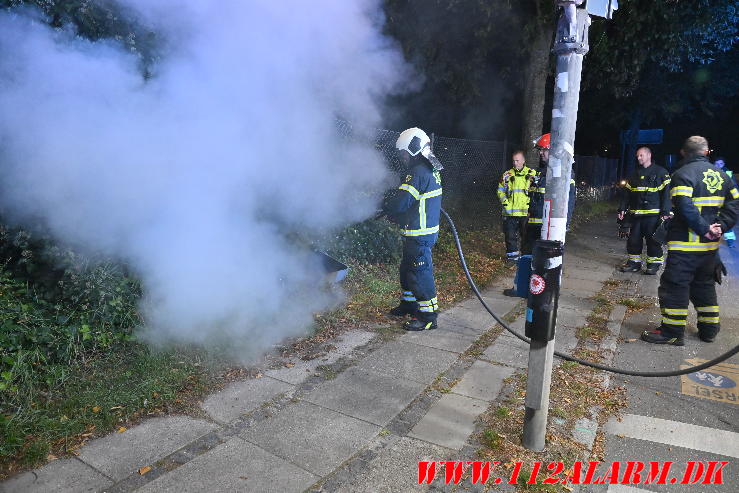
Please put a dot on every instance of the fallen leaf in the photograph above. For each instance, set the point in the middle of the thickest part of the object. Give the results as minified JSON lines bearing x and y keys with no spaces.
{"x":96,"y":409}
{"x":258,"y":375}
{"x":155,"y":394}
{"x":121,"y":429}
{"x":51,"y":457}
{"x":630,"y":340}
{"x":620,"y":435}
{"x":243,"y":477}
{"x":115,"y":407}
{"x":289,"y":365}
{"x":144,"y":470}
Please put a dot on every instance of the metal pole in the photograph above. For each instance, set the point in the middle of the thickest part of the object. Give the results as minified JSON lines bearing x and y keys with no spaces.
{"x":571,"y":44}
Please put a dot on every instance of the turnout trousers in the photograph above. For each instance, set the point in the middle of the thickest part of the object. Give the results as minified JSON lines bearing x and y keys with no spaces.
{"x":513,"y":227}
{"x":642,"y":229}
{"x":688,"y":277}
{"x":417,"y":278}
{"x":533,"y":233}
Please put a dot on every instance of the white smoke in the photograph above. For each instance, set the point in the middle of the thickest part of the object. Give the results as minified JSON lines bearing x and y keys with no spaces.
{"x":195,"y":175}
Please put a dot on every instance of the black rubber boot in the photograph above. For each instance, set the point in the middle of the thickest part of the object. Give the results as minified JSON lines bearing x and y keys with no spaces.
{"x":630,"y":267}
{"x":706,"y":337}
{"x":416,"y":325}
{"x":656,"y":337}
{"x":652,"y":269}
{"x":403,"y":309}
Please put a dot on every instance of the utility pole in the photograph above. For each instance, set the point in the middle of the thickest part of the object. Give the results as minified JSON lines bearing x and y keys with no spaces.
{"x":570,"y":46}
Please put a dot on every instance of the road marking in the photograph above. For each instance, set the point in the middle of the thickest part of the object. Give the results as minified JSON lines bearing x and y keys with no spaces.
{"x":717,"y":383}
{"x":618,"y":488}
{"x":720,"y":442}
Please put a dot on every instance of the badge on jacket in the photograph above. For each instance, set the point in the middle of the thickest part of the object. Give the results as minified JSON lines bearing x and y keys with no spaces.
{"x":713,"y":180}
{"x":408,"y":178}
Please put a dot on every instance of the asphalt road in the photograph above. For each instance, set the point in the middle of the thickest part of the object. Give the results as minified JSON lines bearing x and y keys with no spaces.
{"x":679,"y":419}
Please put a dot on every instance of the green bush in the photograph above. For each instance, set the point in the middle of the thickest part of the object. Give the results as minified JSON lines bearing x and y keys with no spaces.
{"x":56,"y":308}
{"x":371,"y":241}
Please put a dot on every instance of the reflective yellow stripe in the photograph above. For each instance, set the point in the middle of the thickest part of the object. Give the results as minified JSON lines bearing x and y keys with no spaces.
{"x":672,"y":321}
{"x":648,"y":189}
{"x":709,"y":201}
{"x":655,"y":260}
{"x":688,"y":246}
{"x":734,"y":193}
{"x":572,"y":182}
{"x":635,"y":258}
{"x":433,"y":193}
{"x":540,"y":190}
{"x":646,"y":211}
{"x":687,"y":191}
{"x":420,"y":232}
{"x":410,"y":189}
{"x":675,"y":311}
{"x":703,"y":309}
{"x":535,"y":220}
{"x":710,"y":320}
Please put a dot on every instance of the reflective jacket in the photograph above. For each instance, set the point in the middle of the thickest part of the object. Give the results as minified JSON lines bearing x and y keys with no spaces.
{"x":701,"y":195}
{"x":513,"y":191}
{"x":416,"y":206}
{"x":536,"y":193}
{"x":647,"y":192}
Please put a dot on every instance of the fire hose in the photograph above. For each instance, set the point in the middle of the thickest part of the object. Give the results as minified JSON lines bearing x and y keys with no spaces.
{"x":620,"y":371}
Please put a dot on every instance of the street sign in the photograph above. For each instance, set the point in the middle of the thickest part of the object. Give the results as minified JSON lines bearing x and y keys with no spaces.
{"x":717,"y":383}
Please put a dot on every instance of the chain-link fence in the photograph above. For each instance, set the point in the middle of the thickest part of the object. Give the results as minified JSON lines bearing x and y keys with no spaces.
{"x":472,"y":169}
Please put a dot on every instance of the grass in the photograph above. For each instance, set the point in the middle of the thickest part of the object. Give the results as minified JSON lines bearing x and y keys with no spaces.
{"x":102,"y":381}
{"x":96,"y":398}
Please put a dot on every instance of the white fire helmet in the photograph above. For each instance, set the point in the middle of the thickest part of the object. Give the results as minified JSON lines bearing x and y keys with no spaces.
{"x":412,"y":140}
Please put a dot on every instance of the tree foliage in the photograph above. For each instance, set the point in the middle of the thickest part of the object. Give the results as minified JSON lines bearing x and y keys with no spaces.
{"x":662,"y":57}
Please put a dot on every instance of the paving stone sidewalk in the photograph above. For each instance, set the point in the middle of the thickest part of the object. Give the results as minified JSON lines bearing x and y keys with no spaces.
{"x":358,"y":419}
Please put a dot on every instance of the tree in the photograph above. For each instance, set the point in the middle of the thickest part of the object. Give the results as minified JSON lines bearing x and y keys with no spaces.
{"x":657,"y":61}
{"x":467,"y":53}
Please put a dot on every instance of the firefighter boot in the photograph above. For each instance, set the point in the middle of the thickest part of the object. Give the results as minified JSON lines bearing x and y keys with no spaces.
{"x":404,"y":308}
{"x":652,"y":269}
{"x":657,"y":337}
{"x":417,"y":325}
{"x":631,"y":266}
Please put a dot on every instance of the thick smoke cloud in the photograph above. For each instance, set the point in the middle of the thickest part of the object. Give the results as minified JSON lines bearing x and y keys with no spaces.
{"x":196,"y":175}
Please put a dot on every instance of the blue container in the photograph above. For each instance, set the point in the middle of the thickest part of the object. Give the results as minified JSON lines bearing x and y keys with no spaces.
{"x":523,"y":274}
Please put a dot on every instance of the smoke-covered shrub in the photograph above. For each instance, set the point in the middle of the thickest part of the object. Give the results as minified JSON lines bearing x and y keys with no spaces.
{"x":59,"y":303}
{"x":371,"y":241}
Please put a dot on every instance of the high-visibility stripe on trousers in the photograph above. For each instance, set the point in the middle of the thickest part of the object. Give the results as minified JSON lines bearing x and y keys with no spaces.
{"x":688,"y":277}
{"x":642,"y":229}
{"x":417,"y":277}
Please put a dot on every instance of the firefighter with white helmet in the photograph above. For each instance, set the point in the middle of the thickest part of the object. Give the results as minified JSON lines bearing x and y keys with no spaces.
{"x":416,"y":207}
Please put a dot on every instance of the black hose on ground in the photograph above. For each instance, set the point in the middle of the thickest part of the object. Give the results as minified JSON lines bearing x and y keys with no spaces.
{"x":673,"y":373}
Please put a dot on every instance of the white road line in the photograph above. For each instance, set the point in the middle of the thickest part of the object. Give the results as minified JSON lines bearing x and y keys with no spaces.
{"x":618,"y":488}
{"x":668,"y":432}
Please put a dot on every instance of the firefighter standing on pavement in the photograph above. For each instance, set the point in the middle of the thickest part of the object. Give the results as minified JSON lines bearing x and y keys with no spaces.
{"x":536,"y":194}
{"x":416,"y":207}
{"x":705,"y":204}
{"x":645,"y":201}
{"x":513,"y":193}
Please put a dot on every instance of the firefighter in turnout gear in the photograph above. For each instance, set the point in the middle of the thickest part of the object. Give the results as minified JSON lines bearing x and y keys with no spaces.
{"x":646,"y":200}
{"x":537,"y":190}
{"x":705,"y":204}
{"x":513,"y":193}
{"x":416,"y":207}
